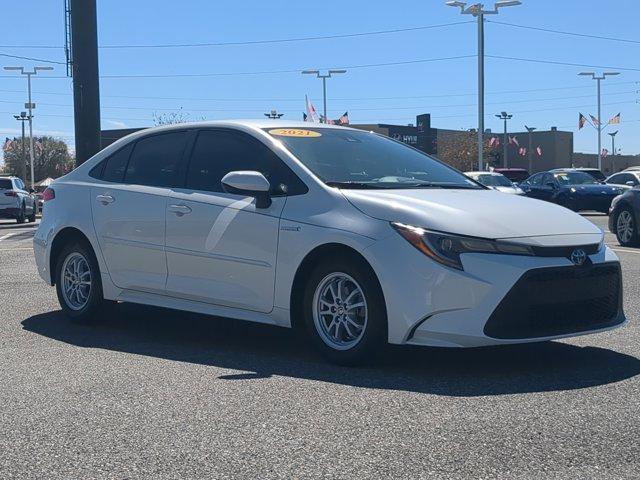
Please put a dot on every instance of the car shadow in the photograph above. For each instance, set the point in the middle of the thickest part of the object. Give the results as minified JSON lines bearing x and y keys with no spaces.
{"x":261,"y":351}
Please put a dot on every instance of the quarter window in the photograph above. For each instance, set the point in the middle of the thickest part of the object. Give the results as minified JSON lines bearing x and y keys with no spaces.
{"x":155,"y":160}
{"x":218,"y":152}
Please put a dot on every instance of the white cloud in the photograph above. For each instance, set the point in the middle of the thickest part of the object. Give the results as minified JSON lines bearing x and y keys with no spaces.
{"x":117,"y":123}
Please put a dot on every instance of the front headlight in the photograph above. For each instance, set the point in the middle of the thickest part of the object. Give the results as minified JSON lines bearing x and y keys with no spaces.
{"x":446,"y":249}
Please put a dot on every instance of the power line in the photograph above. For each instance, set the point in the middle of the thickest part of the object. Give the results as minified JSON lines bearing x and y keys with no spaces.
{"x":560,"y":32}
{"x":553,"y":62}
{"x":263,"y":42}
{"x":31,"y":59}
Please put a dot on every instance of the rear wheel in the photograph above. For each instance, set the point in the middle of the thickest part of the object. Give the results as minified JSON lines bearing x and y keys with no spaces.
{"x":627,"y":229}
{"x":32,"y":217}
{"x":22,"y":215}
{"x":78,"y":283}
{"x":344,"y":311}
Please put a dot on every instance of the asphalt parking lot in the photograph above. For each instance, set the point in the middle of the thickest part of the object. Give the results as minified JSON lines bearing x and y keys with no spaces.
{"x":158,"y":394}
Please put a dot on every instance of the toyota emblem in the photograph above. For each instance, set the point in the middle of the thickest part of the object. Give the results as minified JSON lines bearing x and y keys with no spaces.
{"x":578,"y":256}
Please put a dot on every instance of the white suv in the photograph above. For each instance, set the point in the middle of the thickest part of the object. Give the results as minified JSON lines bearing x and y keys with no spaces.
{"x":360,"y":238}
{"x":15,"y":201}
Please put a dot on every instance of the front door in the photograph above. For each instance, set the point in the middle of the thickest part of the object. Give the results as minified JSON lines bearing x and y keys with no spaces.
{"x":221,"y":248}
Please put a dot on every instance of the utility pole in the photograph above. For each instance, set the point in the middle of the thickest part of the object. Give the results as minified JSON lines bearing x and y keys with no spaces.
{"x":274,"y":115}
{"x":324,"y":85}
{"x":478,"y":11}
{"x":86,"y":91}
{"x":613,"y":150}
{"x":23,"y":117}
{"x":599,"y":126}
{"x":505,"y":116}
{"x":30,"y":106}
{"x":530,"y":130}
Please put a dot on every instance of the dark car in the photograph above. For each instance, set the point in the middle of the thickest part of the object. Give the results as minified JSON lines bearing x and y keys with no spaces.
{"x":516,"y":175}
{"x":571,"y":188}
{"x":623,"y":218}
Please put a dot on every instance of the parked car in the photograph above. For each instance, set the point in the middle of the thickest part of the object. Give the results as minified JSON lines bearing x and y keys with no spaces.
{"x":594,"y":172}
{"x":360,"y":238}
{"x":632,"y":169}
{"x":624,"y":218}
{"x":516,"y":175}
{"x":571,"y":188}
{"x":495,"y":181}
{"x":629,"y":179}
{"x":15,"y":201}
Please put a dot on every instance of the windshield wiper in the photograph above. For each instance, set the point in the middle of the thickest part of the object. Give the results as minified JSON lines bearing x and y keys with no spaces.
{"x":361,"y":185}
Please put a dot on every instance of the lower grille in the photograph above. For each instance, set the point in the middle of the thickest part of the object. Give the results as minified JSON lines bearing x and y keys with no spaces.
{"x":557,"y":301}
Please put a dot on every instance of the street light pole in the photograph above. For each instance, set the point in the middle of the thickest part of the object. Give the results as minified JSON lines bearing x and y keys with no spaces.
{"x":477,"y":10}
{"x":530,"y":130}
{"x":23,"y":117}
{"x":599,"y":78}
{"x":613,"y":142}
{"x":274,"y":115}
{"x":30,"y":107}
{"x":324,"y":84}
{"x":505,"y":116}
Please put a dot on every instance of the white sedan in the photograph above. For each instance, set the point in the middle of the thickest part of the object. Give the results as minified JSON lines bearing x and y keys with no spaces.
{"x":362,"y":239}
{"x":496,"y":181}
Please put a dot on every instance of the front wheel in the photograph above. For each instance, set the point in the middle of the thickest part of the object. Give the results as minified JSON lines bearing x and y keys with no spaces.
{"x":22,"y":216}
{"x":345,"y":312}
{"x":78,"y":283}
{"x":626,"y":229}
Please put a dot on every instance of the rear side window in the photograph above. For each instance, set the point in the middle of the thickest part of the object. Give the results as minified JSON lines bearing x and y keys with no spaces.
{"x":536,"y":179}
{"x":113,"y":167}
{"x":5,"y":184}
{"x":218,"y":152}
{"x":156,"y":159}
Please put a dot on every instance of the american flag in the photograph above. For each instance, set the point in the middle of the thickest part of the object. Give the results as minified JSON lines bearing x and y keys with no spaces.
{"x":344,"y":119}
{"x":605,"y":152}
{"x":312,"y":114}
{"x":539,"y":151}
{"x":595,"y":120}
{"x":615,"y":120}
{"x":582,"y":120}
{"x":513,"y":141}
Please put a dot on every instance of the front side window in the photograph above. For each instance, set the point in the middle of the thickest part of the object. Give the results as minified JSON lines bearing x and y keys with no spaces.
{"x":357,"y":159}
{"x":218,"y":152}
{"x":575,"y":178}
{"x":155,"y":160}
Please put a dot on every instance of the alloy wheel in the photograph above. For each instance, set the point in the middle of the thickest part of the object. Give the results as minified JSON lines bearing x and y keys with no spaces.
{"x":340,"y":311}
{"x":625,"y":226}
{"x":76,"y":281}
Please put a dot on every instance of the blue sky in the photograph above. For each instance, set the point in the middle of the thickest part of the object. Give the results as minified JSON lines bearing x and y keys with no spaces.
{"x":540,"y":95}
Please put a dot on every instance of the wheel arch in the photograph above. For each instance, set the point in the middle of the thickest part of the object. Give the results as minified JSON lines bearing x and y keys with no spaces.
{"x":62,"y":238}
{"x":310,"y":260}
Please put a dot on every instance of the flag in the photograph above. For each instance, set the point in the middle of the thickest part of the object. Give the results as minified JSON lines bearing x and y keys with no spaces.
{"x":513,"y":141}
{"x":312,"y":114}
{"x":344,"y":119}
{"x":605,"y":152}
{"x":539,"y":151}
{"x":304,"y":117}
{"x":581,"y":121}
{"x":595,"y":120}
{"x":615,"y":120}
{"x":494,"y":142}
{"x":522,"y":151}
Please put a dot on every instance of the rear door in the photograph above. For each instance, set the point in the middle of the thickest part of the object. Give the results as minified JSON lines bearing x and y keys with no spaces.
{"x":221,"y":248}
{"x":129,"y":209}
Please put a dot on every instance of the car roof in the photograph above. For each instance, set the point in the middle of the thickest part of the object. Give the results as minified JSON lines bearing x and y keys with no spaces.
{"x":499,"y":169}
{"x":484,"y":173}
{"x":254,"y":123}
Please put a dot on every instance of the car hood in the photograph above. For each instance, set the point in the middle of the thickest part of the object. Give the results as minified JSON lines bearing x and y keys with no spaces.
{"x":478,"y":213}
{"x":512,"y":190}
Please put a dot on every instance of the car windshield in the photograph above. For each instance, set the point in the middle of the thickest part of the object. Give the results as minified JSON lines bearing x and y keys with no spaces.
{"x":5,"y":184}
{"x":348,"y":158}
{"x":575,"y":178}
{"x":493,"y":180}
{"x":597,"y":174}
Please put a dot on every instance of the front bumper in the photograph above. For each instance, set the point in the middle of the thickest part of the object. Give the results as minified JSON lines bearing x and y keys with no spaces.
{"x":428,"y":304}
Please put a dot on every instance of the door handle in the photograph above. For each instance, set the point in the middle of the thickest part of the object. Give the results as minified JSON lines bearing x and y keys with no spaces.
{"x":179,"y":210}
{"x":105,"y":199}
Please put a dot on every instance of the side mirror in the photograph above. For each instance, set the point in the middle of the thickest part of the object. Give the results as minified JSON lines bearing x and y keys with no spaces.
{"x":630,"y":183}
{"x":250,"y":183}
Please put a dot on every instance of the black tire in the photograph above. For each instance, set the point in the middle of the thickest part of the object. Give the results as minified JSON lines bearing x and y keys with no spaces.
{"x":94,"y":307}
{"x":374,"y":338}
{"x":21,"y":218}
{"x":634,"y":241}
{"x":32,"y":217}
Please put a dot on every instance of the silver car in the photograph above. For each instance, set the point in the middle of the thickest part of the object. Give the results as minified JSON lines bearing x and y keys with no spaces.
{"x":15,"y":201}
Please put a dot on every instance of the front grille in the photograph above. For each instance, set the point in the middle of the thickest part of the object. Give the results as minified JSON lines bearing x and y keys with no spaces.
{"x":561,"y":300}
{"x":565,"y":251}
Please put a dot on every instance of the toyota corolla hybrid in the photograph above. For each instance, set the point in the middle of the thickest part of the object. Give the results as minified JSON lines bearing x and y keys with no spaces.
{"x":360,"y":238}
